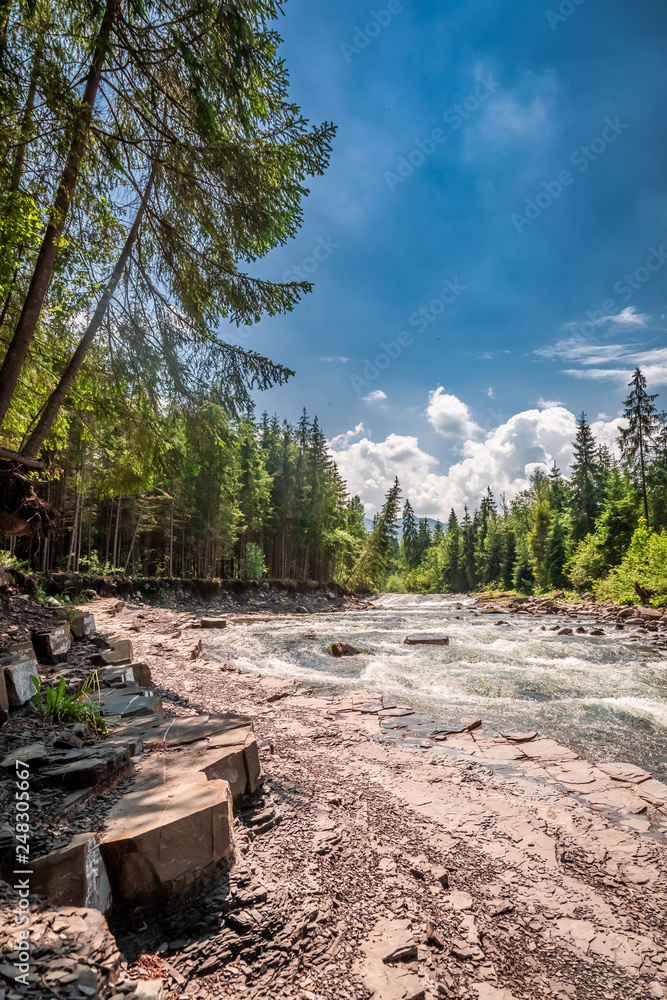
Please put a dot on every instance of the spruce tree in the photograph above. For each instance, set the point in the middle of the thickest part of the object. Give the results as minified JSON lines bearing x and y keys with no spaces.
{"x":523,"y":577}
{"x":508,"y":559}
{"x":410,"y":536}
{"x":556,"y":555}
{"x":585,"y":480}
{"x":637,"y":438}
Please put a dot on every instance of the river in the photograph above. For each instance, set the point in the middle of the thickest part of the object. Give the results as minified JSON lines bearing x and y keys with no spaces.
{"x":601,"y":696}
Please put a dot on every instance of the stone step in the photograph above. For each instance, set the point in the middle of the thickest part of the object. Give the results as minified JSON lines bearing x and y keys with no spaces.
{"x":158,"y":841}
{"x":83,"y":625}
{"x":53,"y":645}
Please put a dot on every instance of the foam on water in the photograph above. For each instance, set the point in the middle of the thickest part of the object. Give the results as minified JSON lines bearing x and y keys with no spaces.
{"x":603,"y":696}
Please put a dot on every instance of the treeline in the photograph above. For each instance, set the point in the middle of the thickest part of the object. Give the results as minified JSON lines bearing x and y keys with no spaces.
{"x":601,"y":527}
{"x":236,"y":498}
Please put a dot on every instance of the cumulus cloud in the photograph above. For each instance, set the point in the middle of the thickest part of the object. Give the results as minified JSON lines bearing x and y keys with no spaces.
{"x":504,"y":460}
{"x":545,"y":404}
{"x":376,"y":396}
{"x":449,"y":416}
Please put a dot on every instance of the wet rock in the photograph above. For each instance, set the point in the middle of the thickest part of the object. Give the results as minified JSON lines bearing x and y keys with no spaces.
{"x":565,"y":631}
{"x":342,"y":649}
{"x":426,"y":639}
{"x":300,"y":610}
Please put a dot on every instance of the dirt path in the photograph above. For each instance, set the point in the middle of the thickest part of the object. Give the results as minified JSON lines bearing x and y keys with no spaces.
{"x":476,"y":878}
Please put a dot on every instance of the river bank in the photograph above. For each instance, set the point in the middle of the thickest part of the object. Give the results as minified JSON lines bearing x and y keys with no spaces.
{"x":548,"y":894}
{"x":478,"y":865}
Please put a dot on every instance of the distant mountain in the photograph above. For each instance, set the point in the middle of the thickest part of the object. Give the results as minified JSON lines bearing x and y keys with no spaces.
{"x":368,"y":521}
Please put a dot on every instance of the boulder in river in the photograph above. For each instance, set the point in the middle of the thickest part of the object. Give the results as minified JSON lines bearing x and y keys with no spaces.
{"x":342,"y":649}
{"x":426,"y":639}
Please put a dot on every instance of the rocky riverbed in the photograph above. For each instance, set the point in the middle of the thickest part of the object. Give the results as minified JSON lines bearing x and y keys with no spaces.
{"x":394,"y":851}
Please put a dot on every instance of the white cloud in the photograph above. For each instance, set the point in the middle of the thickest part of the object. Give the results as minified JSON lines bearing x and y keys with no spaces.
{"x":376,"y":396}
{"x":504,"y":460}
{"x":330,"y":358}
{"x":489,"y":392}
{"x":630,"y":317}
{"x":655,"y":374}
{"x":343,"y":440}
{"x":449,"y":416}
{"x":545,"y":404}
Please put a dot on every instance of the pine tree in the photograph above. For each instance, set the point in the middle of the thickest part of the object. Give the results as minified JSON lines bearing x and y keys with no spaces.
{"x":556,"y":555}
{"x":373,"y":563}
{"x":637,"y":438}
{"x":585,"y":480}
{"x":410,"y":536}
{"x":423,"y":539}
{"x":451,"y":567}
{"x":508,"y":559}
{"x":523,"y":577}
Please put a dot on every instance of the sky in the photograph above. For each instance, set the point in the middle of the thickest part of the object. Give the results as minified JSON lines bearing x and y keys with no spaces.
{"x":488,"y":247}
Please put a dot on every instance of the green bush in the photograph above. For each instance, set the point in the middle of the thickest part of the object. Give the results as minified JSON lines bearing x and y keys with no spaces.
{"x":644,"y":563}
{"x":252,"y":565}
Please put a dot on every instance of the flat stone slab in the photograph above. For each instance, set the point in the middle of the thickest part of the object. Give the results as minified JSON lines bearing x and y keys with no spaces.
{"x":426,"y":639}
{"x":128,"y":703}
{"x":83,"y":768}
{"x":213,"y":622}
{"x":621,"y":771}
{"x":158,"y":841}
{"x":526,"y":737}
{"x":447,"y":727}
{"x":20,"y":688}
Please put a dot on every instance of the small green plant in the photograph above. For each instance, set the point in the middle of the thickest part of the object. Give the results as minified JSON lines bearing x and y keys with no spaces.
{"x":55,"y":702}
{"x":252,"y":566}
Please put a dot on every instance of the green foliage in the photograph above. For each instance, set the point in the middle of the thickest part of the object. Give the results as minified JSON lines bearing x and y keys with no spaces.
{"x":524,"y":576}
{"x":53,"y":701}
{"x":645,"y":563}
{"x":370,"y":569}
{"x":253,"y":566}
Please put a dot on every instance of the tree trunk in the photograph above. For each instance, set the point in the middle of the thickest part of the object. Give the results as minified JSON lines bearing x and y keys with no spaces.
{"x":134,"y":536}
{"x":59,"y":394}
{"x":43,"y":272}
{"x":171,"y":541}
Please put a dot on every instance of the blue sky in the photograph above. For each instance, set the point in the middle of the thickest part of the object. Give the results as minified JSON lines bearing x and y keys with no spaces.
{"x":492,"y":231}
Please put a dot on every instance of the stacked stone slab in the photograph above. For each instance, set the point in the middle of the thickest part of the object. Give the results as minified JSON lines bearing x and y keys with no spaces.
{"x":18,"y":665}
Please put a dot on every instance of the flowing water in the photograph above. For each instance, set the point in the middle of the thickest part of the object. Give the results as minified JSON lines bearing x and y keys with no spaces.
{"x":602,"y":696}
